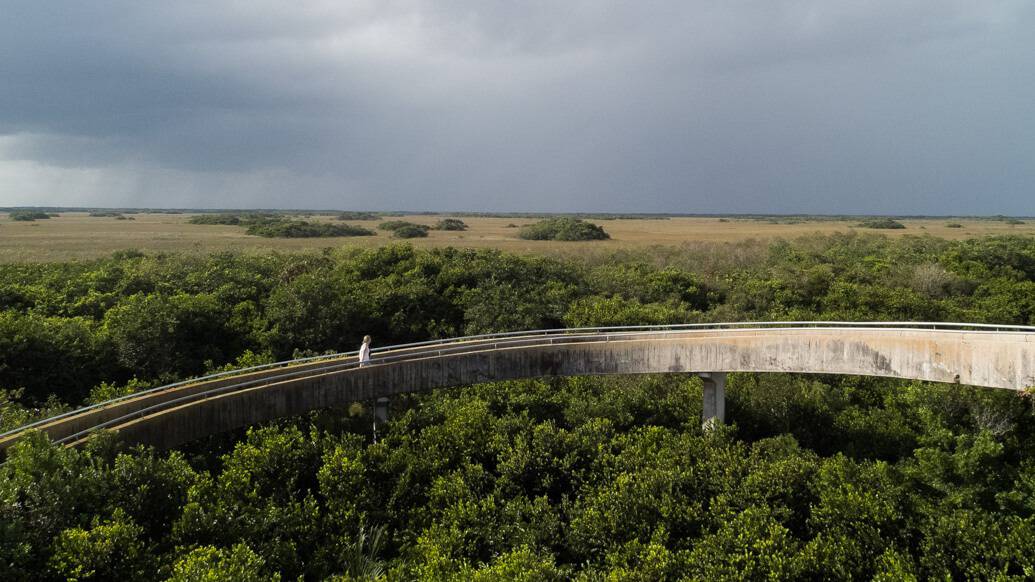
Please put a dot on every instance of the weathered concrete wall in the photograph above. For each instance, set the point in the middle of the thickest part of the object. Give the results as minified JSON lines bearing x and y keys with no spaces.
{"x":990,"y":359}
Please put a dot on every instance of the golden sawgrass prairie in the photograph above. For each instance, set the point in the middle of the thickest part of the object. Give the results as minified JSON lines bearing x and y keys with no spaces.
{"x":75,"y":235}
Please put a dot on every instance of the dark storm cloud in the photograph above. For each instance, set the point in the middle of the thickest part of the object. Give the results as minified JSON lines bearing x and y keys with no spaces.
{"x":738,"y":106}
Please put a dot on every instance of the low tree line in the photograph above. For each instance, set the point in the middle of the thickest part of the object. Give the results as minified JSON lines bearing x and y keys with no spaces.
{"x":29,"y":215}
{"x":282,"y":226}
{"x":563,"y":229}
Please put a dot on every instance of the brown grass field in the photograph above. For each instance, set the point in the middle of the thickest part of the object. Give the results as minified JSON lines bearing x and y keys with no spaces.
{"x":76,"y":235}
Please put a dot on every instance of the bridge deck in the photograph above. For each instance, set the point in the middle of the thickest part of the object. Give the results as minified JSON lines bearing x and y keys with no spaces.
{"x":989,"y":356}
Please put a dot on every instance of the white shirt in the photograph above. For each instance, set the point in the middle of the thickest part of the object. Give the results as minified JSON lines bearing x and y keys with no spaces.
{"x":364,"y":353}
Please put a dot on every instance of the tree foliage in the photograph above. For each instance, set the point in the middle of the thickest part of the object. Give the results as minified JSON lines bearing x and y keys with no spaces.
{"x":405,"y":229}
{"x":583,"y":478}
{"x":305,"y":229}
{"x":882,"y":223}
{"x":219,"y":218}
{"x":554,"y":479}
{"x":391,"y":225}
{"x":28,"y":215}
{"x":450,"y":224}
{"x":356,"y":215}
{"x":563,"y":229}
{"x":411,"y":231}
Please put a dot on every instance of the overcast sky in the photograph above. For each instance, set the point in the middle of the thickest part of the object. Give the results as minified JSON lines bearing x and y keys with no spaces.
{"x":819,"y":106}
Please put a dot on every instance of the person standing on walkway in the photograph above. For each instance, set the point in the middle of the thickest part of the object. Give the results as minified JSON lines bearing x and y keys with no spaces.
{"x":364,"y":351}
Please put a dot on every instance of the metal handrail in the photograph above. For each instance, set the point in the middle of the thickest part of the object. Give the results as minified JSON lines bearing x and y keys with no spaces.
{"x":578,"y":331}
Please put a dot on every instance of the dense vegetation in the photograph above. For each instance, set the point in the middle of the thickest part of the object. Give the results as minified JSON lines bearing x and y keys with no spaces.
{"x":279,"y":226}
{"x":233,"y":219}
{"x":228,"y":219}
{"x":411,"y":231}
{"x":391,"y":225}
{"x":882,"y":223}
{"x":563,"y":229}
{"x":29,"y":215}
{"x":818,"y":478}
{"x":354,"y":215}
{"x":404,"y":229}
{"x":305,"y":229}
{"x":450,"y":224}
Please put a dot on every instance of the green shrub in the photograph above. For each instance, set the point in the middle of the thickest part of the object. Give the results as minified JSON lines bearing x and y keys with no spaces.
{"x":247,"y":219}
{"x":404,"y":229}
{"x":881,"y":223}
{"x":450,"y":224}
{"x":107,"y":214}
{"x":109,"y":391}
{"x":395,"y":225}
{"x":564,"y":229}
{"x":29,"y":215}
{"x":106,"y":551}
{"x":954,"y":225}
{"x":211,"y":564}
{"x":231,"y":219}
{"x":606,"y":311}
{"x":352,"y":215}
{"x":304,"y":229}
{"x":411,"y":231}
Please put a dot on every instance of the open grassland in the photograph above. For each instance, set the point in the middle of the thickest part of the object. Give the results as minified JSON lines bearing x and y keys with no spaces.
{"x":75,"y":235}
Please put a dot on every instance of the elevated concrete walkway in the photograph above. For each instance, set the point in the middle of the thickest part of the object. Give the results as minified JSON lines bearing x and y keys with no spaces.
{"x":972,"y":354}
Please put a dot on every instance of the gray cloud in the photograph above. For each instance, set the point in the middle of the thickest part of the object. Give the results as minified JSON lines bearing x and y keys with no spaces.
{"x":738,"y":106}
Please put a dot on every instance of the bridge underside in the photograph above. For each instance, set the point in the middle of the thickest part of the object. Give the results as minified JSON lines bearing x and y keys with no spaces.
{"x":995,"y":360}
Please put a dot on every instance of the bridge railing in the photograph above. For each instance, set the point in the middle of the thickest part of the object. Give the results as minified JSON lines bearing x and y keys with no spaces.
{"x":464,"y":343}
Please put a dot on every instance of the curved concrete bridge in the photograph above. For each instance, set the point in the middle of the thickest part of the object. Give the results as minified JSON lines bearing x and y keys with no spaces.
{"x":972,"y":354}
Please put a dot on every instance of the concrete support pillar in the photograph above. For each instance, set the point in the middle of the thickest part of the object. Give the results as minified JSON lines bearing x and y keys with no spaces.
{"x":380,"y":414}
{"x":714,"y":410}
{"x":381,"y":410}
